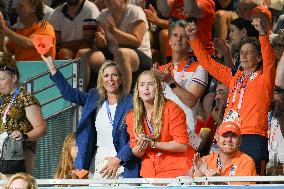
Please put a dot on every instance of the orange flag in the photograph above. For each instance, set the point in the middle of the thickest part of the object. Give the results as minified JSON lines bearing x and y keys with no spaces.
{"x":43,"y":43}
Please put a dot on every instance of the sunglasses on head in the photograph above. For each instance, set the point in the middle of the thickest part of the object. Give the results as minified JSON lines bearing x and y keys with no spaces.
{"x":5,"y":68}
{"x":175,"y":19}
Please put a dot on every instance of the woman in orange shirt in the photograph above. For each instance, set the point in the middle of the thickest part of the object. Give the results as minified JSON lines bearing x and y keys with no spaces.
{"x":157,"y":130}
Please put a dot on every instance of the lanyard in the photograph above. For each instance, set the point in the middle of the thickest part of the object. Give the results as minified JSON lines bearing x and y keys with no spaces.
{"x":109,"y":113}
{"x":15,"y":94}
{"x":219,"y":164}
{"x":150,"y":126}
{"x":241,"y":82}
{"x":178,"y":80}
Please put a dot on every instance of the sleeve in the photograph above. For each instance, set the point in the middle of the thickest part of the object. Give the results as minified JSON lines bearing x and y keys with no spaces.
{"x":29,"y":99}
{"x":130,"y":129}
{"x":200,"y":76}
{"x":136,"y":14}
{"x":93,"y":11}
{"x":247,"y":168}
{"x":67,"y":91}
{"x":269,"y":67}
{"x":177,"y":123}
{"x":102,"y":16}
{"x":208,"y":8}
{"x":54,"y":19}
{"x":217,"y":70}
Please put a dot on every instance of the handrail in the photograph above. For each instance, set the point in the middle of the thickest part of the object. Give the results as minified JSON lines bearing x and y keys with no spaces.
{"x":59,"y":112}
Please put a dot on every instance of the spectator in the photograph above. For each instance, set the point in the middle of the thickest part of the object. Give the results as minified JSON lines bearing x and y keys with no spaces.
{"x":229,"y":161}
{"x":157,"y":129}
{"x":213,"y":121}
{"x":65,"y":168}
{"x":276,"y":134}
{"x":104,"y":107}
{"x":20,"y":112}
{"x":250,"y":89}
{"x":21,"y":180}
{"x":185,"y":80}
{"x":20,"y":43}
{"x":122,"y":36}
{"x":68,"y":20}
{"x":239,"y":30}
{"x":277,"y":42}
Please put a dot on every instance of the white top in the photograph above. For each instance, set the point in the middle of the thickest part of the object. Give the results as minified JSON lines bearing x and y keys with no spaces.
{"x":72,"y":29}
{"x":200,"y":76}
{"x":103,"y":126}
{"x":276,"y":140}
{"x":133,"y":14}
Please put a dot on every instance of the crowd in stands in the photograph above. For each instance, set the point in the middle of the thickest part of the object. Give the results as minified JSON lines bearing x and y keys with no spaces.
{"x":172,"y":87}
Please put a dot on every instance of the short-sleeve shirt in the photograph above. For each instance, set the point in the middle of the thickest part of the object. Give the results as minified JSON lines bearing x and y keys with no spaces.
{"x":72,"y":28}
{"x":241,"y":165}
{"x":158,"y":163}
{"x":133,"y":14}
{"x":23,"y":54}
{"x":16,"y":116}
{"x":193,"y":73}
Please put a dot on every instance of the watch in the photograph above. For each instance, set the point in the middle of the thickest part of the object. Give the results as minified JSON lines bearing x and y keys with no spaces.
{"x":173,"y":85}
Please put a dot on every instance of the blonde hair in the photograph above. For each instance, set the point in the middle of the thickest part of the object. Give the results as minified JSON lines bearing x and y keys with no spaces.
{"x":65,"y":165}
{"x":139,"y":110}
{"x":100,"y":86}
{"x":24,"y":176}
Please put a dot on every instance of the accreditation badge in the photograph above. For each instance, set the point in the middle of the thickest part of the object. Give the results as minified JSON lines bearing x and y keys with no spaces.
{"x":232,"y":116}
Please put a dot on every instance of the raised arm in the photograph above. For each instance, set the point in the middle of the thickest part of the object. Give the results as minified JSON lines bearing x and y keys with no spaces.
{"x":165,"y":7}
{"x":192,"y":8}
{"x":279,"y":80}
{"x":217,"y":70}
{"x":67,"y":91}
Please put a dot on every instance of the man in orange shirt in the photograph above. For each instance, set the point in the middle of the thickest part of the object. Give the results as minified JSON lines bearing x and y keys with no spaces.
{"x":250,"y":89}
{"x":229,"y":161}
{"x":20,"y":42}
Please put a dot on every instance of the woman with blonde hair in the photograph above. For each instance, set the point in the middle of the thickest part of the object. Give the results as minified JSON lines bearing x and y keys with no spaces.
{"x":101,"y":132}
{"x":65,"y":168}
{"x":157,"y":129}
{"x":21,"y":180}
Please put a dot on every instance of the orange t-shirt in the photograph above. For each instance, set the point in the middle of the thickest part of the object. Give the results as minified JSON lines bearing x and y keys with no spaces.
{"x":22,"y":54}
{"x":258,"y":92}
{"x":241,"y":165}
{"x":204,"y":24}
{"x":164,"y":164}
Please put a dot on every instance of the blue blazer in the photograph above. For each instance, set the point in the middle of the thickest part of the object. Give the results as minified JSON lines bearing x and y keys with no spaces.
{"x":86,"y":136}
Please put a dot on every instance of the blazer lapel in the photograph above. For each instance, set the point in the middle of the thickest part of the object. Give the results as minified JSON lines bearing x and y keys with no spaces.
{"x":118,"y":116}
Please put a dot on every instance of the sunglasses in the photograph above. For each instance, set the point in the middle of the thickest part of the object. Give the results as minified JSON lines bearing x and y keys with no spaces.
{"x":189,"y":19}
{"x":6,"y":68}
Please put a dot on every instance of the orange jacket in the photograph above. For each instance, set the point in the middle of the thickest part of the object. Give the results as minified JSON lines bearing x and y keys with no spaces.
{"x":158,"y":163}
{"x":259,"y":90}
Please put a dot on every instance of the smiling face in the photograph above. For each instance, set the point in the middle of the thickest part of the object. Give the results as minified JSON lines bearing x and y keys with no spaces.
{"x":249,"y":57}
{"x":111,"y":80}
{"x":147,"y":87}
{"x":228,"y":143}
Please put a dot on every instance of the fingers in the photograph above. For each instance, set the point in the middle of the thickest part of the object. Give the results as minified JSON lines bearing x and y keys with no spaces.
{"x":191,"y":30}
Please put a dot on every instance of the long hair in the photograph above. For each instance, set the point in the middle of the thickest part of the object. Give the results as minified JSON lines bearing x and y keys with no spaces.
{"x":8,"y":63}
{"x":39,"y":7}
{"x":139,"y":111}
{"x":100,"y":86}
{"x":24,"y":176}
{"x":65,"y":165}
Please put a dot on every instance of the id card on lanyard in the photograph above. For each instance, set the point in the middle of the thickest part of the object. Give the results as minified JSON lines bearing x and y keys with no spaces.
{"x":15,"y":94}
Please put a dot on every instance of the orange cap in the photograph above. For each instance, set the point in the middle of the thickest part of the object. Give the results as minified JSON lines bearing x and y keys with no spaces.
{"x":229,"y":126}
{"x":262,"y":10}
{"x":43,"y":43}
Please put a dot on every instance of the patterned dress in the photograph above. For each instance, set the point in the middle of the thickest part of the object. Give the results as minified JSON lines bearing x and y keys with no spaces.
{"x":16,"y":116}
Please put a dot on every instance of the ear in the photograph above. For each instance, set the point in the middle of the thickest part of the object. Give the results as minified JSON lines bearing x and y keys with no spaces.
{"x":14,"y":79}
{"x":259,"y":58}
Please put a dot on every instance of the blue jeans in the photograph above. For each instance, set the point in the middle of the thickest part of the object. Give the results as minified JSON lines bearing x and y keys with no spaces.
{"x":256,"y":146}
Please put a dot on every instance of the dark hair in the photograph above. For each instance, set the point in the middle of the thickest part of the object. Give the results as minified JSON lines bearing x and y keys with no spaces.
{"x":241,"y":23}
{"x":8,"y":63}
{"x":182,"y":23}
{"x":39,"y":8}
